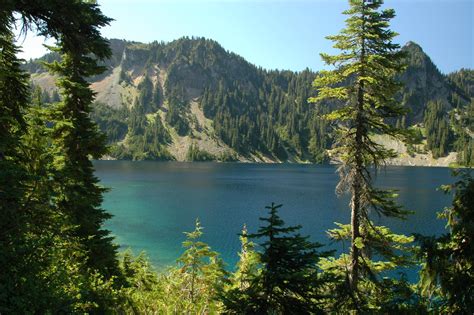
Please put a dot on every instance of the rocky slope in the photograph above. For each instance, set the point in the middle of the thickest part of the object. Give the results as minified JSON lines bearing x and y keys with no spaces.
{"x":164,"y":100}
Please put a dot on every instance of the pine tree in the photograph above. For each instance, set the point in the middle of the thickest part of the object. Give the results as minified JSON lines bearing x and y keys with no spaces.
{"x":16,"y":247}
{"x":237,"y":296}
{"x":247,"y":267}
{"x":14,"y":97}
{"x":364,"y":79}
{"x":43,"y":262}
{"x":201,"y":274}
{"x":51,"y":268}
{"x":288,"y":281}
{"x":447,"y":276}
{"x":76,"y":138}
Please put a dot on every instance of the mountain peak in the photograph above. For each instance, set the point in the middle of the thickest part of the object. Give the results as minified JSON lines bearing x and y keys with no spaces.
{"x":412,"y":44}
{"x":413,"y":48}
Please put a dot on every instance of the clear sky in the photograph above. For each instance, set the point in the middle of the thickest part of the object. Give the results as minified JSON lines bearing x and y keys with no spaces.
{"x":287,"y":34}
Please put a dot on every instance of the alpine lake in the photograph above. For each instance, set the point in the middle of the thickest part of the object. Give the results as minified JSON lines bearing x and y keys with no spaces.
{"x":153,"y":203}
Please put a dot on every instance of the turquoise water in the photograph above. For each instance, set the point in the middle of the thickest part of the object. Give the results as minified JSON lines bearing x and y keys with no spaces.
{"x":153,"y":203}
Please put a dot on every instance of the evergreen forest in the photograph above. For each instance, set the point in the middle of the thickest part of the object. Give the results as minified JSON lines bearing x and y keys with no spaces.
{"x":56,"y":257}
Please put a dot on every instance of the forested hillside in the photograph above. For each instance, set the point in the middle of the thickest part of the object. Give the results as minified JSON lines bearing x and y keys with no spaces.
{"x":159,"y":101}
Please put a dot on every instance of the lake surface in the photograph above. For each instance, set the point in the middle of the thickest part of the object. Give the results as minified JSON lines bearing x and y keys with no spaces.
{"x":153,"y":203}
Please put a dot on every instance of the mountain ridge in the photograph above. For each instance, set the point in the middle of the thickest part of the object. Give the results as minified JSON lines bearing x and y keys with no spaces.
{"x":214,"y":102}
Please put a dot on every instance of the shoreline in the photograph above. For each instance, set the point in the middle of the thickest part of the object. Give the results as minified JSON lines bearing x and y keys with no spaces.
{"x":389,"y":164}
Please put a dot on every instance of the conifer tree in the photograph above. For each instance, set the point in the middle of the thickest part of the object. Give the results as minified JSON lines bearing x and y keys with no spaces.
{"x":75,"y":137}
{"x":43,"y":261}
{"x":288,"y":281}
{"x":447,"y":276}
{"x":14,"y":245}
{"x":75,"y":25}
{"x":201,"y":274}
{"x":53,"y":270}
{"x":438,"y":133}
{"x":237,"y":295}
{"x":247,"y":267}
{"x":14,"y":97}
{"x":363,"y":81}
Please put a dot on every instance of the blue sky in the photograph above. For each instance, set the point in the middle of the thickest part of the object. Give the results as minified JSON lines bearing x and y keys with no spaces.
{"x":288,"y":34}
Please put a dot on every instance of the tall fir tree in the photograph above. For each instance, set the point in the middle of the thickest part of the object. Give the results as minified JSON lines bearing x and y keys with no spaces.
{"x":363,"y":81}
{"x":41,"y":270}
{"x":14,"y":246}
{"x":76,"y":139}
{"x":75,"y":25}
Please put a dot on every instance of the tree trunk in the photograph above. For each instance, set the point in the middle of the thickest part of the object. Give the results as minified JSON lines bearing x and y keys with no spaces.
{"x":356,"y":190}
{"x":357,"y":182}
{"x":355,"y":229}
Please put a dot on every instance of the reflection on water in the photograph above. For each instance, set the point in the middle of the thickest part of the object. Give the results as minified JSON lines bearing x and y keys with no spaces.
{"x":153,"y":203}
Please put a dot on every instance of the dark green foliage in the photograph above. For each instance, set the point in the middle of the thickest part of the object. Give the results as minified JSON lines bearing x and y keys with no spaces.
{"x":22,"y":212}
{"x":75,"y":140}
{"x":253,"y":110}
{"x":177,"y":110}
{"x":110,"y":121}
{"x":147,"y":98}
{"x":447,"y":277}
{"x":195,"y":154}
{"x":146,"y":138}
{"x":268,"y":113}
{"x":414,"y":144}
{"x":463,"y":124}
{"x":177,"y":118}
{"x":462,"y":82}
{"x":74,"y":137}
{"x":288,"y":280}
{"x":438,"y":132}
{"x":16,"y":247}
{"x":259,"y":111}
{"x":13,"y":100}
{"x":43,"y":259}
{"x":137,"y":119}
